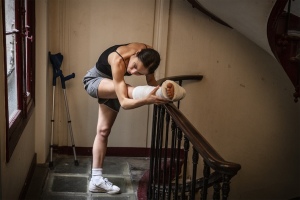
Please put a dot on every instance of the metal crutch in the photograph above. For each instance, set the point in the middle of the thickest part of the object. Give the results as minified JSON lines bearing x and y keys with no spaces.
{"x":56,"y":60}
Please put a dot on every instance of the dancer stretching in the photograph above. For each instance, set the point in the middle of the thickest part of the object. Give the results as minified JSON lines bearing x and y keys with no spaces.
{"x":105,"y":81}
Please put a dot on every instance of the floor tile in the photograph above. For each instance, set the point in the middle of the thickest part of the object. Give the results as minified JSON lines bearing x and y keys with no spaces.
{"x":67,"y":181}
{"x":63,"y":197}
{"x":69,"y":184}
{"x":111,"y":166}
{"x":116,"y":197}
{"x":65,"y":164}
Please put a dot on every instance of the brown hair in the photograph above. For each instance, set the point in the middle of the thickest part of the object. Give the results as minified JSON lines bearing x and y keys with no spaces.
{"x":150,"y":58}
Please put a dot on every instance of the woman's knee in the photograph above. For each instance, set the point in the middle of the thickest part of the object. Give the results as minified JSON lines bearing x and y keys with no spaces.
{"x":103,"y":132}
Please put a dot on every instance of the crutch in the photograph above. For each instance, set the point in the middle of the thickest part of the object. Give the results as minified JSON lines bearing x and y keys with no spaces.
{"x":56,"y":61}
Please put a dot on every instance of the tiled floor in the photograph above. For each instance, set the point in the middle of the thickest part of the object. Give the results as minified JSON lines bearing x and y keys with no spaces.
{"x":67,"y":181}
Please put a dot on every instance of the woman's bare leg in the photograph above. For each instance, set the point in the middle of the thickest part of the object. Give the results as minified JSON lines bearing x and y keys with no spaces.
{"x":106,"y":90}
{"x":170,"y":91}
{"x":166,"y":91}
{"x":106,"y":118}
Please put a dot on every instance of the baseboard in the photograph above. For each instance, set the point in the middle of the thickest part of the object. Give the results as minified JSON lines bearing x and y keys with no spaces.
{"x":111,"y":151}
{"x":28,"y":177}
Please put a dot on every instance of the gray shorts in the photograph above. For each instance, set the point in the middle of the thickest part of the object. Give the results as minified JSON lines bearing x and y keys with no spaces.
{"x":91,"y":83}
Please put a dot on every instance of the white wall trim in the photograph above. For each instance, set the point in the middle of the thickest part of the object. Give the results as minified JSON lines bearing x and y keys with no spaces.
{"x":41,"y":138}
{"x":160,"y":43}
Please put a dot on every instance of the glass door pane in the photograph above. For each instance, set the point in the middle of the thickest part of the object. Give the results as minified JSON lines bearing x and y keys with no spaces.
{"x":11,"y":57}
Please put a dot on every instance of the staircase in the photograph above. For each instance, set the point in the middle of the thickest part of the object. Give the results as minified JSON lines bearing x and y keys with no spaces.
{"x":282,"y":25}
{"x":284,"y":40}
{"x":176,"y":147}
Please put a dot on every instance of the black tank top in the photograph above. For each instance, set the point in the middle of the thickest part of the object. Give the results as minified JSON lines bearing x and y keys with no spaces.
{"x":102,"y":64}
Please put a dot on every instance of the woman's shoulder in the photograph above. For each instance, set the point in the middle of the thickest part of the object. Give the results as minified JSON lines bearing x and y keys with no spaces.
{"x":139,"y":45}
{"x":132,"y":48}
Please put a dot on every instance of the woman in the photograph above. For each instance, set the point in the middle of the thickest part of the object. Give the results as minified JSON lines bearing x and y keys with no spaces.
{"x":106,"y":82}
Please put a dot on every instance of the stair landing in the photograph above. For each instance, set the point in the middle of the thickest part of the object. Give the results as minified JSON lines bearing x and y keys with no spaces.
{"x":67,"y":181}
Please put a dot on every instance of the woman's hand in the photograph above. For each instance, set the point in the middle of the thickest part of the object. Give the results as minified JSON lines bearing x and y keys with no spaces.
{"x":153,"y":99}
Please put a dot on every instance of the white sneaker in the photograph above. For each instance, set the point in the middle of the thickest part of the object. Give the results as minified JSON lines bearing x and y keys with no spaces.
{"x":103,"y":185}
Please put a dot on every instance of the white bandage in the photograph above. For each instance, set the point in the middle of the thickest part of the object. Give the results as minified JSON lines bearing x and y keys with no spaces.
{"x":141,"y":92}
{"x":179,"y":92}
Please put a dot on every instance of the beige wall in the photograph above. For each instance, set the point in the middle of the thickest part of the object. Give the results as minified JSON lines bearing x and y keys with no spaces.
{"x":81,"y":30}
{"x":42,"y":86}
{"x":15,"y":171}
{"x":243,"y":106}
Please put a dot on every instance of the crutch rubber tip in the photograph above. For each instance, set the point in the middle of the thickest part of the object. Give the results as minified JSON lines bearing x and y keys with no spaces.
{"x":76,"y":162}
{"x":51,"y":165}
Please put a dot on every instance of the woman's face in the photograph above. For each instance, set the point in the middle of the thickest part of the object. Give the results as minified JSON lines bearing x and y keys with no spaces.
{"x":136,"y":67}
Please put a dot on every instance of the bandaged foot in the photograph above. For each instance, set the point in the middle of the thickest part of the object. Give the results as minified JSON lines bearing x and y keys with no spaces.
{"x":169,"y":90}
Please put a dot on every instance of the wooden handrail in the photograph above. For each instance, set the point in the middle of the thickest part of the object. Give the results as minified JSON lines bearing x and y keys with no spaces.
{"x":209,"y":154}
{"x":197,"y":5}
{"x":181,"y":78}
{"x":168,"y":128}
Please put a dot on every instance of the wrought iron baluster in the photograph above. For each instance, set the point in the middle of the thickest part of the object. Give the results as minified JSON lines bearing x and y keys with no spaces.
{"x":179,"y":138}
{"x":156,"y":166}
{"x":166,"y":154}
{"x":173,"y":130}
{"x":206,"y":172}
{"x":186,"y":150}
{"x":225,"y":186}
{"x":151,"y":186}
{"x":194,"y":175}
{"x":217,"y":188}
{"x":160,"y":141}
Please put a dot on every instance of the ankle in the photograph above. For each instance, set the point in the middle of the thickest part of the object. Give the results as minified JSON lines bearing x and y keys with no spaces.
{"x":97,"y":172}
{"x":96,"y":175}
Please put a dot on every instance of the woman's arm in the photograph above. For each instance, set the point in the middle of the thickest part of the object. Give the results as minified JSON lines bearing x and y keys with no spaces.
{"x":151,"y":80}
{"x":118,"y":71}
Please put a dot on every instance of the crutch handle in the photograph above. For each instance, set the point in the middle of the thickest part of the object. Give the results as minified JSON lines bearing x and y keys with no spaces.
{"x":64,"y":79}
{"x":70,"y":76}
